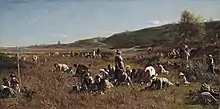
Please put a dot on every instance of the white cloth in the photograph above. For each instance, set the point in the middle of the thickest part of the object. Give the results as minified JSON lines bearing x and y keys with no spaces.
{"x":151,"y":70}
{"x":183,"y":80}
{"x":162,"y":70}
{"x":63,"y":67}
{"x":3,"y":87}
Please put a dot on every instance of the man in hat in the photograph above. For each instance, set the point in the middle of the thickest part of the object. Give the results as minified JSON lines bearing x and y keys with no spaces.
{"x":119,"y":65}
{"x":210,"y":62}
{"x":184,"y":52}
{"x":183,"y":79}
{"x":149,"y":50}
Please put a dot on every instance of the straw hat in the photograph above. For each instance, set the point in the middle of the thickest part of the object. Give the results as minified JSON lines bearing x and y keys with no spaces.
{"x":128,"y":67}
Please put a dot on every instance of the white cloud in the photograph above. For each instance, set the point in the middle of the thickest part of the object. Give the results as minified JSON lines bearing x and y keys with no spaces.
{"x":157,"y":22}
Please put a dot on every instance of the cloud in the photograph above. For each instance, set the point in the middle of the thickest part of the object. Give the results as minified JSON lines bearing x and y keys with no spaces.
{"x":157,"y":22}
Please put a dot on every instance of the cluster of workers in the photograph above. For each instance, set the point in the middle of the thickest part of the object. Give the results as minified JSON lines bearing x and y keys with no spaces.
{"x":118,"y":75}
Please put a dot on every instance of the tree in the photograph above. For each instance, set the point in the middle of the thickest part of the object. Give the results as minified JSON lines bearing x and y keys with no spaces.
{"x":191,"y":27}
{"x":58,"y":43}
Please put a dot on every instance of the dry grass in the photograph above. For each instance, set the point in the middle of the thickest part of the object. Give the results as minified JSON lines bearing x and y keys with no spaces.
{"x":53,"y":91}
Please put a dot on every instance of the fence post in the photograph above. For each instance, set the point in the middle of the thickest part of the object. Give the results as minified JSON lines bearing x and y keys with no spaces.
{"x":18,"y":65}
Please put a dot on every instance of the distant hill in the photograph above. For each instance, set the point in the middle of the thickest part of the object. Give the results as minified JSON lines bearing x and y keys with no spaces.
{"x":149,"y":36}
{"x":142,"y":37}
{"x":86,"y":43}
{"x":93,"y":42}
{"x":154,"y":36}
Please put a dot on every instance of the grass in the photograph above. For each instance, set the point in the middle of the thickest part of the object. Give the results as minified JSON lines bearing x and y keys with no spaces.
{"x":52,"y":91}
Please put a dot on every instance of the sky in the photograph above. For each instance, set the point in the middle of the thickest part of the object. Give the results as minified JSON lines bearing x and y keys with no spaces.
{"x":27,"y":22}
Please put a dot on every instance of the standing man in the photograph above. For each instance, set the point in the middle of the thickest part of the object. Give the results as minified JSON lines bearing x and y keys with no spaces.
{"x":149,"y":50}
{"x":97,"y":52}
{"x":186,"y":52}
{"x":210,"y":62}
{"x":119,"y":65}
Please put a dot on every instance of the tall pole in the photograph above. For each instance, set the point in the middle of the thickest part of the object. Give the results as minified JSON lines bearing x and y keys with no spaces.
{"x":18,"y":65}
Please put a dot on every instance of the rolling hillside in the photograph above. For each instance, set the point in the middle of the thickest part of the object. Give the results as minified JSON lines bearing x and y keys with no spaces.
{"x":156,"y":35}
{"x":149,"y":36}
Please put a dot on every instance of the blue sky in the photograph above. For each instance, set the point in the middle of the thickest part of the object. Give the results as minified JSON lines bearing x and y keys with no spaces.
{"x":26,"y":22}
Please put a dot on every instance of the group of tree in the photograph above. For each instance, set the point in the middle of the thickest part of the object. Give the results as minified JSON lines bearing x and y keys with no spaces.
{"x":191,"y":28}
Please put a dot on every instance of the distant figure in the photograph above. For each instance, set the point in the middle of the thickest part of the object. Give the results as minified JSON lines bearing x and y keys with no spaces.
{"x":210,"y":62}
{"x":61,"y":67}
{"x":186,"y":52}
{"x":183,"y":79}
{"x":35,"y":58}
{"x":98,"y":52}
{"x":160,"y":83}
{"x":162,"y":69}
{"x":23,"y":58}
{"x":173,"y":54}
{"x":57,"y":53}
{"x":94,"y":53}
{"x":187,"y":55}
{"x":149,"y":50}
{"x":71,"y":54}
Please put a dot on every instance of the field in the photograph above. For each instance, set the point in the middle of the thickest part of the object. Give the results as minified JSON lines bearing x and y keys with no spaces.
{"x":53,"y":88}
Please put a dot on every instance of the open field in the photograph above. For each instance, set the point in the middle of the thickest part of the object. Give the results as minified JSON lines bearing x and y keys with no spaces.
{"x":53,"y":89}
